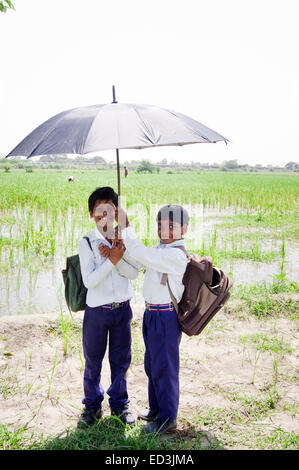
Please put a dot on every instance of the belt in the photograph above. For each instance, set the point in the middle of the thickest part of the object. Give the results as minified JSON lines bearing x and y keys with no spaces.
{"x":160,"y":307}
{"x":114,"y":305}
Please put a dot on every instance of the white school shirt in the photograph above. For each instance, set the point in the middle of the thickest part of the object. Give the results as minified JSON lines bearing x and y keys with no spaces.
{"x":105,"y":282}
{"x":163,"y":258}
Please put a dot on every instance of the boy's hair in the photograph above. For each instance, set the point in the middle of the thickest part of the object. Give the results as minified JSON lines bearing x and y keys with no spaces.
{"x":174,"y":213}
{"x":102,"y":194}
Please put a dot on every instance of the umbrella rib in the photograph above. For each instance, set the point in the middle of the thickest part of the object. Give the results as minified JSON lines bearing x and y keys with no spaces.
{"x":206,"y":138}
{"x":92,"y":124}
{"x":173,"y":114}
{"x":186,"y":125}
{"x":144,"y":123}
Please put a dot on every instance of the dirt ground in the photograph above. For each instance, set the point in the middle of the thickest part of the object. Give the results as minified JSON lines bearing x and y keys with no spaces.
{"x":41,"y":388}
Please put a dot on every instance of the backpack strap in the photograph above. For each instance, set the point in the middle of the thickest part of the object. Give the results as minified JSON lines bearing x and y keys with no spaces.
{"x":181,"y":247}
{"x":88,"y":241}
{"x":164,"y":280}
{"x":174,"y":301}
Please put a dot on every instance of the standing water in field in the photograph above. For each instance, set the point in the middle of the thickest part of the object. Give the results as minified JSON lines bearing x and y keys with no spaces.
{"x":42,"y":225}
{"x":30,"y":274}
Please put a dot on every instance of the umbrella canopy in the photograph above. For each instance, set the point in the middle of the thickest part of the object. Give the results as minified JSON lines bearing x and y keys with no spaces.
{"x":117,"y":126}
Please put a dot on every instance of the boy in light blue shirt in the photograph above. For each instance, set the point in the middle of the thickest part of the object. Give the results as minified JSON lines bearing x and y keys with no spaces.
{"x":107,"y":272}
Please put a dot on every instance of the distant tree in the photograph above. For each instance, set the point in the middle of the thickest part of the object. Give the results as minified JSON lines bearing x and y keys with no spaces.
{"x":97,"y":160}
{"x":229,"y":165}
{"x":6,"y":4}
{"x":292,"y":166}
{"x":163,"y":162}
{"x":145,"y":167}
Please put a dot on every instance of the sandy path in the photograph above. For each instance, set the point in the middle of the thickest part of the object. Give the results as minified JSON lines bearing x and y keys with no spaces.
{"x":214,"y":366}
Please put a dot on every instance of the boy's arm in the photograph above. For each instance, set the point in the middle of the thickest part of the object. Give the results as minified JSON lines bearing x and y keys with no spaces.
{"x":91,"y":275}
{"x":126,"y":269}
{"x":131,"y":260}
{"x":164,"y":261}
{"x":129,"y":266}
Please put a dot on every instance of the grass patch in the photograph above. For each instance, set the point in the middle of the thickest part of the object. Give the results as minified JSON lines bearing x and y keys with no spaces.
{"x":242,"y":427}
{"x":107,"y":434}
{"x":9,"y":386}
{"x":262,"y":342}
{"x":262,"y":300}
{"x":110,"y":433}
{"x":271,"y":306}
{"x":278,"y":440}
{"x":18,"y":439}
{"x":69,"y":330}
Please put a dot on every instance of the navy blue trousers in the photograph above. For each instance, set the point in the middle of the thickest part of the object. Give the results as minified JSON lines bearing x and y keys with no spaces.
{"x":162,"y":335}
{"x":99,"y":324}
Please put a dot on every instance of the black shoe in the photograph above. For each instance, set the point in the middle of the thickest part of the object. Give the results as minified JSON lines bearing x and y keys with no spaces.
{"x":124,"y":415}
{"x":148,"y":415}
{"x":158,"y":428}
{"x":88,"y":417}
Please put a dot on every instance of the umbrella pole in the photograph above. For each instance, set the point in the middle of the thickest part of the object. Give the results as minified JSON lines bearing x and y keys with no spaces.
{"x":117,"y":154}
{"x":118,"y":175}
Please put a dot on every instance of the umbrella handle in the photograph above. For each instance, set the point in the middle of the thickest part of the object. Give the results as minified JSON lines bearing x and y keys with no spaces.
{"x":117,"y":154}
{"x":118,"y":175}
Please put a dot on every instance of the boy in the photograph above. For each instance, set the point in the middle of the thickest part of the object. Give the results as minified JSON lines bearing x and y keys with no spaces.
{"x":108,"y":310}
{"x":161,"y":330}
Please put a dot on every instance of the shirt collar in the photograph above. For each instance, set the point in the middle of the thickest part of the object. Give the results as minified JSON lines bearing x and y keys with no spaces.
{"x":98,"y":234}
{"x":180,"y":242}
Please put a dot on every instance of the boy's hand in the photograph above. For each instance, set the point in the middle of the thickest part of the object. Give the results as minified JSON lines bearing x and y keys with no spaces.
{"x":121,"y":244}
{"x":117,"y":251}
{"x":121,"y":217}
{"x":117,"y":234}
{"x":104,"y":250}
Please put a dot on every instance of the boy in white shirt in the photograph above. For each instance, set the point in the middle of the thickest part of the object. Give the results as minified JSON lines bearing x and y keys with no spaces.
{"x":161,"y":330}
{"x":106,"y":272}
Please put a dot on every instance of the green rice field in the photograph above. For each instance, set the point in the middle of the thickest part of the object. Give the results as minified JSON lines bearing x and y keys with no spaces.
{"x":247,"y":222}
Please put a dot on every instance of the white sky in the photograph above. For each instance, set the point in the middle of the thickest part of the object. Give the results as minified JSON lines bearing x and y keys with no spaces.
{"x":233,"y":65}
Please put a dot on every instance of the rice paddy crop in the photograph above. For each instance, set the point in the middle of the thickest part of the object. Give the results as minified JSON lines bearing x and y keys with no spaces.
{"x":50,"y":191}
{"x":246,"y":222}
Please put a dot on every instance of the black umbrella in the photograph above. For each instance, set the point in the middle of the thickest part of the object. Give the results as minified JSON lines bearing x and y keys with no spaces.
{"x":116,"y":126}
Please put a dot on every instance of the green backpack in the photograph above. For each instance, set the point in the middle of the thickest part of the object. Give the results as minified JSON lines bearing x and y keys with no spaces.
{"x":74,"y":289}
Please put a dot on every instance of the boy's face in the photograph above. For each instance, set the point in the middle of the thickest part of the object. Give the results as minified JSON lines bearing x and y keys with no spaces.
{"x":169,"y":231}
{"x":104,"y":216}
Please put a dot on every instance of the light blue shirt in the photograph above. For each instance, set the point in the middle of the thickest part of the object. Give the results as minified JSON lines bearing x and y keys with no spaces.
{"x":105,"y":282}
